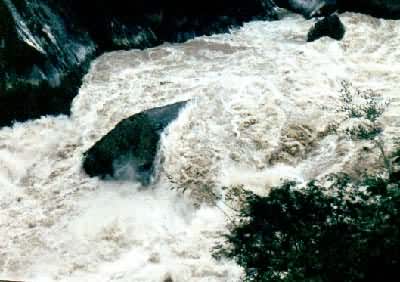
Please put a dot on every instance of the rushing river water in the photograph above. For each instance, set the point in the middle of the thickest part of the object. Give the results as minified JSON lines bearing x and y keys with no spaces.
{"x":261,"y":100}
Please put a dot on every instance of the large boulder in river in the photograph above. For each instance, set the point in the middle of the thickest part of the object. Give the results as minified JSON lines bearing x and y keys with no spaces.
{"x":330,"y":26}
{"x":129,"y":150}
{"x":46,"y":45}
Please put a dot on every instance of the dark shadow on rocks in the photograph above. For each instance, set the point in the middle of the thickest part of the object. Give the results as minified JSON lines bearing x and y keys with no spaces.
{"x":131,"y":147}
{"x":26,"y":101}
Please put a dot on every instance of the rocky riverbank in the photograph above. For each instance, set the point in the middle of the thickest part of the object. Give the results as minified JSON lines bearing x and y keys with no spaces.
{"x":46,"y":45}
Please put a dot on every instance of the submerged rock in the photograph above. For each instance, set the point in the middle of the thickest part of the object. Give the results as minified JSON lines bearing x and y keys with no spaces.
{"x":330,"y":26}
{"x":129,"y":150}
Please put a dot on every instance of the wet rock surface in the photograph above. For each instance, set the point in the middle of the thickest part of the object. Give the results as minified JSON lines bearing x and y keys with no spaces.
{"x":330,"y":26}
{"x":128,"y":151}
{"x":42,"y":59}
{"x":46,"y":46}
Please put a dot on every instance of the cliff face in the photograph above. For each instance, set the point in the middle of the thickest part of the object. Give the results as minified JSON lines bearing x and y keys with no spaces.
{"x":140,"y":23}
{"x":47,"y":45}
{"x":42,"y":58}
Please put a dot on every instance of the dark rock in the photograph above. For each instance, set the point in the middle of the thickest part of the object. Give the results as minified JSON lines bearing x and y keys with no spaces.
{"x":168,"y":279}
{"x":42,"y":60}
{"x":131,"y":146}
{"x":144,"y":23}
{"x":389,"y":9}
{"x":47,"y":45}
{"x":330,"y":26}
{"x":395,"y":173}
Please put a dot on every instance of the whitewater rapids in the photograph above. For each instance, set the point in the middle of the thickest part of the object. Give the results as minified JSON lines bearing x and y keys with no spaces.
{"x":261,"y":99}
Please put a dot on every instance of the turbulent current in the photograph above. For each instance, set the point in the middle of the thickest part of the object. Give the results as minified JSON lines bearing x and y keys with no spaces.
{"x":261,"y":100}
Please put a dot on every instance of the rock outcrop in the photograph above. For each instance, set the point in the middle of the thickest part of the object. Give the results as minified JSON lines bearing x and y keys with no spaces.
{"x":42,"y":59}
{"x":129,"y":150}
{"x":330,"y":26}
{"x":47,"y":45}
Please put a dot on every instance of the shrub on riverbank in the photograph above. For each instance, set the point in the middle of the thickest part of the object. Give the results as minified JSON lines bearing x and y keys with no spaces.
{"x":343,"y":231}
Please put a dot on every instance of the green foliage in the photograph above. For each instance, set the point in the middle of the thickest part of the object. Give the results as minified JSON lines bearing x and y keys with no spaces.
{"x":361,"y":132}
{"x":357,"y":103}
{"x":339,"y":232}
{"x":363,"y":105}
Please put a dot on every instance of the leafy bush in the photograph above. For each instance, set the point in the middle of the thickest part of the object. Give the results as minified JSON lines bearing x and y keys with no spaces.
{"x":357,"y":103}
{"x":365,"y":106}
{"x":343,"y":231}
